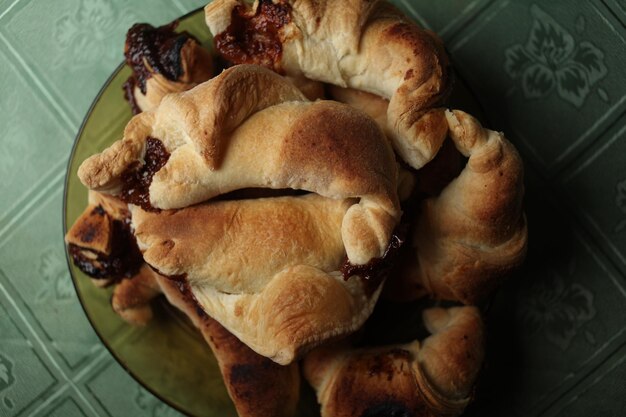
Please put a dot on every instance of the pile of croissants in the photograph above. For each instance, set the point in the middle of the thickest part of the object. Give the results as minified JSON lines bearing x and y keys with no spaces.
{"x":276,"y":201}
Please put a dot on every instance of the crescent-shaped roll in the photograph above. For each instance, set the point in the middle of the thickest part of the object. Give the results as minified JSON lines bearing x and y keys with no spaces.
{"x":469,"y":237}
{"x":163,"y":62}
{"x":431,"y":378}
{"x":257,"y":386}
{"x":362,"y":44}
{"x":268,"y":269}
{"x":264,"y":134}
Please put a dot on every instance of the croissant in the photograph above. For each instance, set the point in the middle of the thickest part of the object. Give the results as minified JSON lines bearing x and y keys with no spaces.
{"x":162,"y":62}
{"x":362,"y":44}
{"x":257,"y":386}
{"x":264,"y":134}
{"x":268,"y":269}
{"x":468,"y":238}
{"x":430,"y":378}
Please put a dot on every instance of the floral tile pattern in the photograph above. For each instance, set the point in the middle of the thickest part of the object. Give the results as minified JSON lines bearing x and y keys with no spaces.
{"x":570,"y":67}
{"x":552,"y":61}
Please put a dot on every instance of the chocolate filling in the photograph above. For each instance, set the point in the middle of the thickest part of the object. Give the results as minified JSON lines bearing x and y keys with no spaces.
{"x":375,"y":271}
{"x":137,"y":178}
{"x":124,"y":260}
{"x":185,"y":289}
{"x":151,"y":50}
{"x":255,"y":39}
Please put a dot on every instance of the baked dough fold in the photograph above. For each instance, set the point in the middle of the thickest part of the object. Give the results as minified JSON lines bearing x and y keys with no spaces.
{"x":430,"y":378}
{"x":267,"y":269}
{"x":470,"y":237}
{"x":362,"y":44}
{"x":250,"y":128}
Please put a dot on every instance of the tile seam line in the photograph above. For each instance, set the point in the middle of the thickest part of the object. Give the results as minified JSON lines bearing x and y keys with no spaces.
{"x":44,"y":348}
{"x":595,"y":379}
{"x":42,"y":196}
{"x":556,"y":197}
{"x":56,"y":394}
{"x":8,"y":9}
{"x":453,"y":31}
{"x":546,"y":410}
{"x":67,"y":121}
{"x":179,"y":6}
{"x":570,"y":170}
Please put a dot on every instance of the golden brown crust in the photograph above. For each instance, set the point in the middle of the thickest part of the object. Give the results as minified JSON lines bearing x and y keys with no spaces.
{"x":370,"y":46}
{"x":474,"y":233}
{"x":258,"y":386}
{"x":434,"y":378}
{"x":266,"y":269}
{"x":131,"y":296}
{"x":324,"y":147}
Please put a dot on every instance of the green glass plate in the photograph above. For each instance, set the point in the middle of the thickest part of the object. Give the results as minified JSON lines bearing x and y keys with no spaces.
{"x":168,"y":356}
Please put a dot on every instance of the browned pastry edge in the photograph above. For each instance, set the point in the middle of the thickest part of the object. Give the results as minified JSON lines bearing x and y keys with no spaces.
{"x":433,"y":378}
{"x":368,"y":45}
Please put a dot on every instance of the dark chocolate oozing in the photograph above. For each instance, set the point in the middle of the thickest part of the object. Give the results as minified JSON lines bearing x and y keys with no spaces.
{"x":124,"y":260}
{"x":254,"y":39}
{"x":373,"y":272}
{"x":151,"y":50}
{"x":137,"y":178}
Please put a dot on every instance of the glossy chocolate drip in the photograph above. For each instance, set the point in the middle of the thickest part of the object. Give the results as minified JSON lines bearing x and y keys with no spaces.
{"x":373,"y":272}
{"x":137,"y":178}
{"x":255,"y":39}
{"x":124,"y":260}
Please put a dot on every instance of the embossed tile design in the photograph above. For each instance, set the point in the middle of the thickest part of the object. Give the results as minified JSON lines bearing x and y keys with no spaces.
{"x":22,"y":142}
{"x":555,"y":90}
{"x":24,"y":376}
{"x":125,"y":397}
{"x":68,"y":407}
{"x":445,"y":17}
{"x":35,"y":265}
{"x":554,"y":321}
{"x":596,"y":186}
{"x":604,"y":395}
{"x":88,"y":33}
{"x":618,"y":7}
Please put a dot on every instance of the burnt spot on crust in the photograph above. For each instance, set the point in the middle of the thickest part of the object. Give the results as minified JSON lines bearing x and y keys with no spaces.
{"x":124,"y":260}
{"x":357,"y":155}
{"x":408,"y":75}
{"x":151,"y":50}
{"x":98,"y":210}
{"x":253,"y":37}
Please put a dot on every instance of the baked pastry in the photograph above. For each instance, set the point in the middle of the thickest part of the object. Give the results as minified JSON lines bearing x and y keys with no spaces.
{"x":362,"y":44}
{"x":268,"y":269}
{"x":100,"y":241}
{"x":258,"y":386}
{"x":469,"y":237}
{"x":249,"y":128}
{"x":430,"y":378}
{"x":163,"y":61}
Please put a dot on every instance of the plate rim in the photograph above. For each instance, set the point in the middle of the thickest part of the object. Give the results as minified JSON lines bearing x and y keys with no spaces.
{"x":68,"y":261}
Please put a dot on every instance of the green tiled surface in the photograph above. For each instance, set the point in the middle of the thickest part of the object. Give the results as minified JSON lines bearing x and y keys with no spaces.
{"x":549,"y":74}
